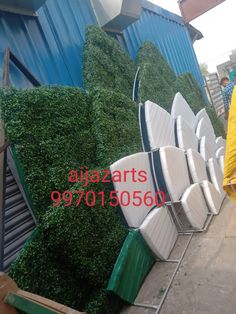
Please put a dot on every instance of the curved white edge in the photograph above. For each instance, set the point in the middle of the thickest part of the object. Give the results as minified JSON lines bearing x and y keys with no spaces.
{"x":205,"y":149}
{"x":221,"y":162}
{"x":220,"y":152}
{"x":180,"y":107}
{"x":159,"y":232}
{"x":185,"y":135}
{"x":202,"y":114}
{"x":213,"y":197}
{"x":220,"y":142}
{"x":205,"y":128}
{"x":175,"y":171}
{"x":194,"y":206}
{"x":160,"y":126}
{"x":134,"y":174}
{"x":216,"y":175}
{"x":197,"y":166}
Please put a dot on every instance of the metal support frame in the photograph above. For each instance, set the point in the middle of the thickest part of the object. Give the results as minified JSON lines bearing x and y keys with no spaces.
{"x":182,"y":230}
{"x":173,"y":213}
{"x":158,"y":307}
{"x":10,"y":56}
{"x":205,"y":228}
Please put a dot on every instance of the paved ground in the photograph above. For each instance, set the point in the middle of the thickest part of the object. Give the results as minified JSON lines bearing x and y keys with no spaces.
{"x":206,"y":280}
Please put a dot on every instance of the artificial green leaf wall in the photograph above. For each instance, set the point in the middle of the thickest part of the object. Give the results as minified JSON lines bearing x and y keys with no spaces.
{"x":106,"y":64}
{"x":50,"y":127}
{"x":115,"y":125}
{"x":156,"y":76}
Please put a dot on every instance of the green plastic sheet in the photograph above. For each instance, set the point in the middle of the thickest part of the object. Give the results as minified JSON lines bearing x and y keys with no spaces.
{"x":132,"y":266}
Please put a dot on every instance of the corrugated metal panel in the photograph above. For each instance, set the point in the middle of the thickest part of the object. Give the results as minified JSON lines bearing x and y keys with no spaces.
{"x":162,"y":12}
{"x":51,"y":45}
{"x":169,"y":34}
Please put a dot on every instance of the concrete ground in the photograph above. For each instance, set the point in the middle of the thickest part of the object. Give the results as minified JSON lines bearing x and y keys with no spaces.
{"x":206,"y":280}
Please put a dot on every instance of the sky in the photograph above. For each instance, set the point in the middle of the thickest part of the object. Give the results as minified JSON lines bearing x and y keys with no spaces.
{"x":217,"y":27}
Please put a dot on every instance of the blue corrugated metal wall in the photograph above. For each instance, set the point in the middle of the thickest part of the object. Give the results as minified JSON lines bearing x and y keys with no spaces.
{"x":51,"y":45}
{"x":167,"y":31}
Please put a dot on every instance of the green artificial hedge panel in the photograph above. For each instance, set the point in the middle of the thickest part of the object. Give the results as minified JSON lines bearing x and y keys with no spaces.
{"x":38,"y":271}
{"x":159,"y":83}
{"x":116,"y":126}
{"x":87,"y":237}
{"x":49,"y":127}
{"x":188,"y":87}
{"x":217,"y":124}
{"x":106,"y":64}
{"x":154,"y":87}
{"x":149,"y":53}
{"x":85,"y":241}
{"x":104,"y":302}
{"x":156,"y":76}
{"x":195,"y":86}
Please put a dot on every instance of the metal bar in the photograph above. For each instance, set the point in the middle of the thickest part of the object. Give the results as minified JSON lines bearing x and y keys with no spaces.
{"x":178,"y":221}
{"x":147,"y":306}
{"x":24,"y":70}
{"x":167,"y":261}
{"x":171,"y":261}
{"x":173,"y":276}
{"x":135,"y":86}
{"x":187,"y":231}
{"x":159,"y":306}
{"x":208,"y":221}
{"x":6,"y":76}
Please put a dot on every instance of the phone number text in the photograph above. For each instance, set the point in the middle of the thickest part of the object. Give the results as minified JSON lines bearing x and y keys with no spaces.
{"x":115,"y":198}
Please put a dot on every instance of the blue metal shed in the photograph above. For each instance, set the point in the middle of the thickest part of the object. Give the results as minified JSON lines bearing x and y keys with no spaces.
{"x":51,"y":44}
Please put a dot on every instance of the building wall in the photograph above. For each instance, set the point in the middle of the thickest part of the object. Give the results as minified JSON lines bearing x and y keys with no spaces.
{"x":51,"y":45}
{"x":169,"y":34}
